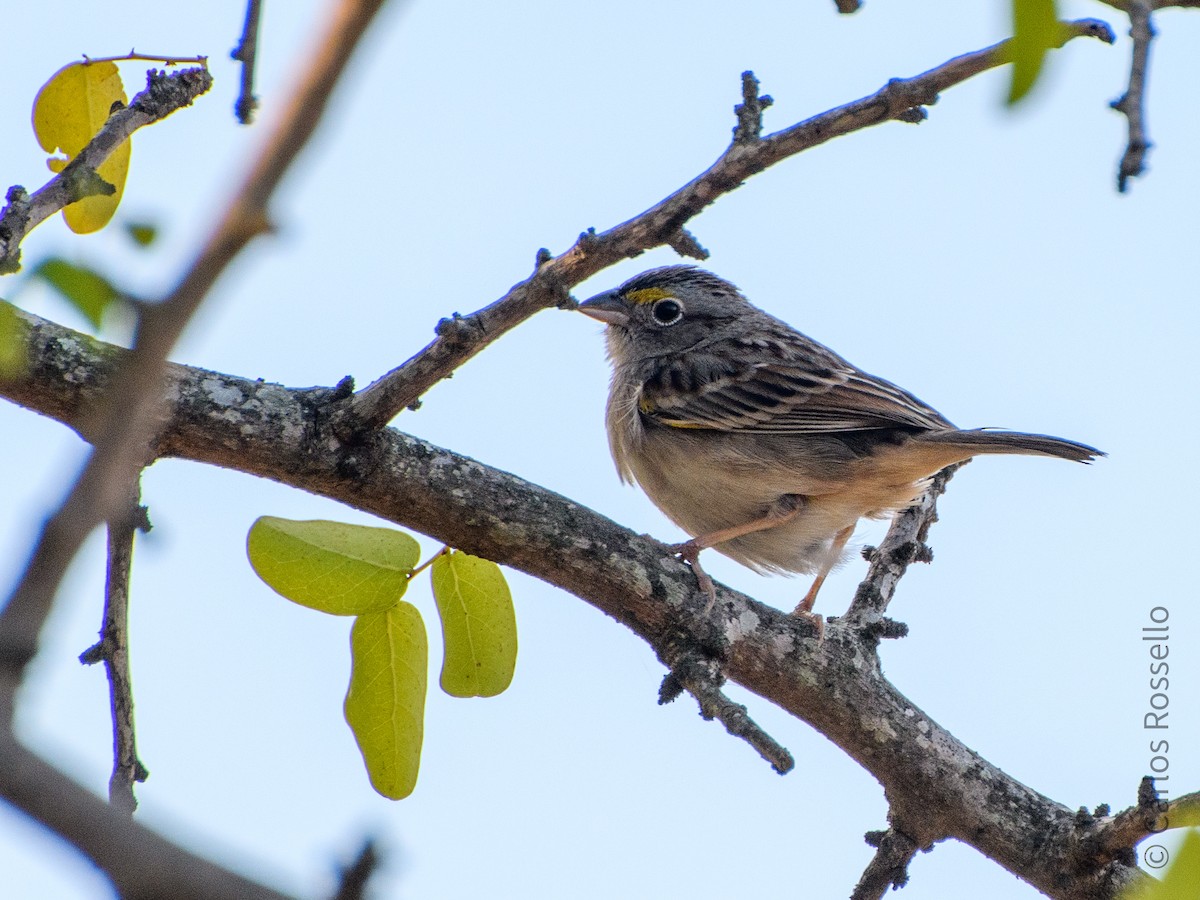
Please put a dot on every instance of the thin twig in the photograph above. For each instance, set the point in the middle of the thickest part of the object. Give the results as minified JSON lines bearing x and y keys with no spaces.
{"x":113,"y":650}
{"x":1133,"y":103}
{"x":701,"y":677}
{"x":164,"y":94}
{"x":134,"y":403}
{"x":246,"y":52}
{"x":903,"y":545}
{"x":888,"y":868}
{"x":133,"y":55}
{"x":353,"y":883}
{"x":750,"y":111}
{"x":459,"y":338}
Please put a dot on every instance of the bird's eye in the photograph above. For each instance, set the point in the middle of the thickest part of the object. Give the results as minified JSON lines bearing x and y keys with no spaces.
{"x":667,"y":311}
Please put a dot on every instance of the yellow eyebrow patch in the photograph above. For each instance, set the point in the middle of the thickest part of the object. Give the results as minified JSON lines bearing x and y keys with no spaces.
{"x":648,"y":295}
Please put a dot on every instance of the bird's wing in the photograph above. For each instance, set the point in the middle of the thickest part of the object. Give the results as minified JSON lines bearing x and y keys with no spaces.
{"x":813,"y":393}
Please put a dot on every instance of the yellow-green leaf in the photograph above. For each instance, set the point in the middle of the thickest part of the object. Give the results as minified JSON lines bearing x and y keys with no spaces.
{"x":385,"y":706}
{"x":1181,"y":877}
{"x":336,"y":568}
{"x":1035,"y":30}
{"x":479,"y":625}
{"x":83,"y":287}
{"x":69,"y":110}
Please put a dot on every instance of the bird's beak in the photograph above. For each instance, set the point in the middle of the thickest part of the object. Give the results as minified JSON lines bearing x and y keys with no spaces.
{"x":608,"y":308}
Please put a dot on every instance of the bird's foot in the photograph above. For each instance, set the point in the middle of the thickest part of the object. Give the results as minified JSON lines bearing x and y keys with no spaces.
{"x":804,"y":608}
{"x":817,"y":620}
{"x":689,"y":552}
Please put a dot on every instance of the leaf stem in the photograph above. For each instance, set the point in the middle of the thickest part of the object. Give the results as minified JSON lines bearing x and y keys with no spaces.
{"x":429,"y":562}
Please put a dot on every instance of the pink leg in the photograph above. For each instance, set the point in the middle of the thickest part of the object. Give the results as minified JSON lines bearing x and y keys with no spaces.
{"x":835,"y":553}
{"x":782,"y":510}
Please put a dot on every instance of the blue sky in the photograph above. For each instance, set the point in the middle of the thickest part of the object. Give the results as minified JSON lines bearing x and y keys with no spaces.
{"x":982,"y":260}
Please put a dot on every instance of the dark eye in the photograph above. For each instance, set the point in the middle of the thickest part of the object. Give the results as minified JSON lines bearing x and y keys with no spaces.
{"x":667,"y":311}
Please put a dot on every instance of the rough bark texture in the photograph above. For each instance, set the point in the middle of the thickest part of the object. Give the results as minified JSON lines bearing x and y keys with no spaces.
{"x":937,"y":787}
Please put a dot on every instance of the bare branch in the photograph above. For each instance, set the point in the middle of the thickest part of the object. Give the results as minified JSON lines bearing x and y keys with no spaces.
{"x":888,"y":868}
{"x":356,"y":876}
{"x":246,"y":52}
{"x":684,"y":243}
{"x":848,"y":6}
{"x":135,"y":402}
{"x":1116,"y":836}
{"x":113,"y":650}
{"x":934,"y":784}
{"x":164,"y":94}
{"x":701,"y":677}
{"x":750,"y":111}
{"x":139,"y":862}
{"x":462,"y":337}
{"x":1133,"y":103}
{"x":903,"y":544}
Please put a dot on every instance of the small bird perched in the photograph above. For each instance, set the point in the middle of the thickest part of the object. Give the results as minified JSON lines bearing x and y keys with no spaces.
{"x":758,"y":441}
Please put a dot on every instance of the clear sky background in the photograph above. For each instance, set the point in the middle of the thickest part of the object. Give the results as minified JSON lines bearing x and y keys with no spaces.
{"x":982,"y":259}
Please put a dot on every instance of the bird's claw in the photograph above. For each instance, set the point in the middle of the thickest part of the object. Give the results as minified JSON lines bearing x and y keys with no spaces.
{"x":689,"y":552}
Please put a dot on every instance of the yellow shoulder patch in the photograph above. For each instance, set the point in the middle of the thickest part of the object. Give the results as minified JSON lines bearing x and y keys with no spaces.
{"x":646,"y":407}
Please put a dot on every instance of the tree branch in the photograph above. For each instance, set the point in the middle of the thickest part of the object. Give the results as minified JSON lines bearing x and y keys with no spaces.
{"x":461,"y":337}
{"x":164,"y":94}
{"x":113,"y":650}
{"x":934,"y":784}
{"x":1116,"y":836}
{"x":888,"y":868}
{"x":701,"y":677}
{"x":750,"y":111}
{"x":246,"y":52}
{"x":121,"y":426}
{"x":353,"y":883}
{"x":1132,"y":103}
{"x":125,"y":429}
{"x":904,"y":544}
{"x":140,"y":863}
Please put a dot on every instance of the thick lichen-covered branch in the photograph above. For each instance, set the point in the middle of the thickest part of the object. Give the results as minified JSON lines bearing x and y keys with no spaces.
{"x":934,"y":784}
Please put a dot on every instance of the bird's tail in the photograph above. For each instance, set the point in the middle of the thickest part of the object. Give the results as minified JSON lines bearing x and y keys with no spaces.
{"x":983,"y":440}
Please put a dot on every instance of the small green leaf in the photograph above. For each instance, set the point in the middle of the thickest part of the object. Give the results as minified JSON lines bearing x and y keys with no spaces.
{"x":385,"y":706}
{"x":12,"y":342}
{"x":1181,"y":878}
{"x":1035,"y":30}
{"x":479,"y":625}
{"x":84,"y":288}
{"x":344,"y":570}
{"x":142,"y":233}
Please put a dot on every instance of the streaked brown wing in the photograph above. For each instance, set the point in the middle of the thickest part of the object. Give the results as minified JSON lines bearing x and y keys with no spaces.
{"x":818,"y":394}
